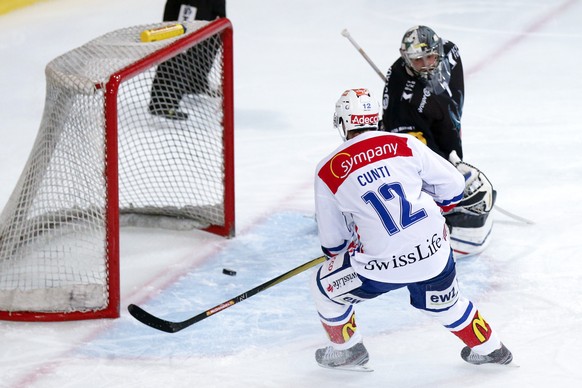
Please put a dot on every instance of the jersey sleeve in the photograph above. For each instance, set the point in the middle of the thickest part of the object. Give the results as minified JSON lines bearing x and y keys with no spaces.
{"x":396,"y":117}
{"x":336,"y":232}
{"x":447,"y":131}
{"x":457,"y":82}
{"x":441,"y":180}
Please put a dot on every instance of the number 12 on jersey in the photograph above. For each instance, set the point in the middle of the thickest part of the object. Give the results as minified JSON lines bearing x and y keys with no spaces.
{"x":389,"y":192}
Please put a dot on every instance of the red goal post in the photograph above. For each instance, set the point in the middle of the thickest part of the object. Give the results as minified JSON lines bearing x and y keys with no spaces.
{"x":134,"y":133}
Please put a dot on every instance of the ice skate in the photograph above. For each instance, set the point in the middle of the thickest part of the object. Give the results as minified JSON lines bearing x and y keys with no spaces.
{"x":500,"y":356}
{"x":170,"y":114}
{"x":354,"y":358}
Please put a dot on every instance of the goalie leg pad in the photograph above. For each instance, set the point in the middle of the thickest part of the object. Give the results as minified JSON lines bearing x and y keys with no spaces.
{"x":469,"y":234}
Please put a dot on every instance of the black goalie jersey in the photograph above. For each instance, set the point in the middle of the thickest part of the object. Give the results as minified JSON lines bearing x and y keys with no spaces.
{"x":431,"y":111}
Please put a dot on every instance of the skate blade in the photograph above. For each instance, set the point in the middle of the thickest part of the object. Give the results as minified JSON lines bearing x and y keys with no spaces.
{"x":512,"y":364}
{"x":350,"y":368}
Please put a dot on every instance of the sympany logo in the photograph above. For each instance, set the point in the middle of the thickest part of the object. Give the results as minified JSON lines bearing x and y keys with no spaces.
{"x":360,"y":154}
{"x":343,"y":163}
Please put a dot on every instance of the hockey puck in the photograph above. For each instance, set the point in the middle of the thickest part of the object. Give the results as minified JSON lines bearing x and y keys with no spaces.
{"x":228,"y":272}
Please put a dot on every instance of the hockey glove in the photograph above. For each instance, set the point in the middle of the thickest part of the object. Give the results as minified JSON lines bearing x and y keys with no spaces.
{"x":478,"y":196}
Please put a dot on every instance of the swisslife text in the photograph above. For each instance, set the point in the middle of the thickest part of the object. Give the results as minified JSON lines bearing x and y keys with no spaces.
{"x":418,"y":254}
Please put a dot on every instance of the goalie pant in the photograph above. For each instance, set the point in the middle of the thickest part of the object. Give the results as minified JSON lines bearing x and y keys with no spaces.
{"x":336,"y":288}
{"x":187,"y":73}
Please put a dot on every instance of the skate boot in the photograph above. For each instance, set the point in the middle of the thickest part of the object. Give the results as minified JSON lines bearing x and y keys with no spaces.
{"x":170,"y":114}
{"x":500,"y":356}
{"x":353,"y":358}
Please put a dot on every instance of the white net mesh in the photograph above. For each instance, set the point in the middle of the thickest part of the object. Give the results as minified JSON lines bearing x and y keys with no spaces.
{"x":54,"y":236}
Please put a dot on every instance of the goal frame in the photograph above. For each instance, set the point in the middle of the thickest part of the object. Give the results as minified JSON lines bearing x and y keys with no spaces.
{"x":220,"y":26}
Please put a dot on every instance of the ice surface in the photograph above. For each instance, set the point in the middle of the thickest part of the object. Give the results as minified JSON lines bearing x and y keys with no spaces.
{"x":520,"y":125}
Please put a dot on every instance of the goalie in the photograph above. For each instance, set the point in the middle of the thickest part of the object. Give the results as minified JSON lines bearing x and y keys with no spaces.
{"x":423,"y":96}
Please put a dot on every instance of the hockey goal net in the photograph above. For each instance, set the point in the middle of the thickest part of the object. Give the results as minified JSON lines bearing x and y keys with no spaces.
{"x":132,"y":132}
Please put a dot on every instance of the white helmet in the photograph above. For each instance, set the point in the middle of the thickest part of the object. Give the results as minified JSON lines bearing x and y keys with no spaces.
{"x":356,"y":110}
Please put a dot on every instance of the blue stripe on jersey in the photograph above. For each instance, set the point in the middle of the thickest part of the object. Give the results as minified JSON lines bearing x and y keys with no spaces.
{"x":450,"y":201}
{"x":334,"y":250}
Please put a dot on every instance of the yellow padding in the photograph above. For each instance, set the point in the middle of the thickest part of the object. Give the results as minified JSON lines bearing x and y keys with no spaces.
{"x":162,"y":33}
{"x":10,"y":5}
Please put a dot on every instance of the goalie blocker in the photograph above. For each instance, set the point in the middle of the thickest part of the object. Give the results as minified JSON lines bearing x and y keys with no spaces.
{"x":470,"y":222}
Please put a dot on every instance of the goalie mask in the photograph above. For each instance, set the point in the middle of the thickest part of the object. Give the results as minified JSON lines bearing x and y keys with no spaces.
{"x":423,"y":53}
{"x":422,"y":50}
{"x":356,"y":110}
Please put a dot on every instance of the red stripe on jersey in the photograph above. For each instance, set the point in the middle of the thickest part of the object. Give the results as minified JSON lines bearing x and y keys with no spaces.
{"x":359,"y":155}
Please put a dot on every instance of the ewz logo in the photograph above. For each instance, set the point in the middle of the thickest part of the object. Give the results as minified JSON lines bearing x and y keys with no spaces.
{"x":444,"y":298}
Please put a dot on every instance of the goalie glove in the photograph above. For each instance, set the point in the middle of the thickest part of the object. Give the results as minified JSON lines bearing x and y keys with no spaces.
{"x":478,"y":196}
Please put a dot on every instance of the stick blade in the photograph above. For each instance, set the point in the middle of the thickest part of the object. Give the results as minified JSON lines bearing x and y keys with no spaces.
{"x":151,"y":320}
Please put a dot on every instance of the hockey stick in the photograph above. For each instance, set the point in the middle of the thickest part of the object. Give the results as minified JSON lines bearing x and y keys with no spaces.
{"x":172,"y":327}
{"x":346,"y":33}
{"x":511,"y":215}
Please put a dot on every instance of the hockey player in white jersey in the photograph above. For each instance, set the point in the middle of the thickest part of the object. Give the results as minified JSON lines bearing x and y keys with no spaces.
{"x":378,"y":199}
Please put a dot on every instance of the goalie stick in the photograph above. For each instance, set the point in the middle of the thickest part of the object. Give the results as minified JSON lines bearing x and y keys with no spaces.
{"x":514,"y":216}
{"x":347,"y":34}
{"x":172,"y":327}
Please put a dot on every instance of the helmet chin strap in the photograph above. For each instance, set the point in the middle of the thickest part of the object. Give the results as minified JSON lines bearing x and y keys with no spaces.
{"x":343,"y":132}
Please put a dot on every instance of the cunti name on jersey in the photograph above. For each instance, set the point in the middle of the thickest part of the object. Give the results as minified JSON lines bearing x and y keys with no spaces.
{"x":359,"y":155}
